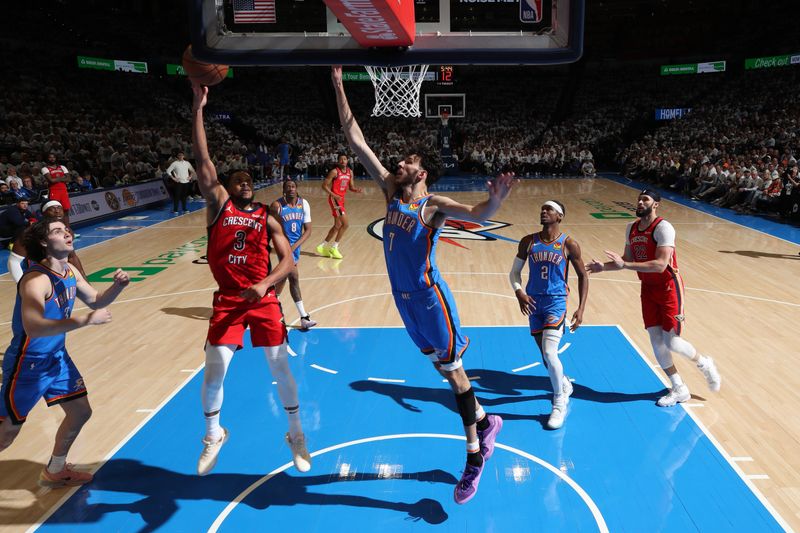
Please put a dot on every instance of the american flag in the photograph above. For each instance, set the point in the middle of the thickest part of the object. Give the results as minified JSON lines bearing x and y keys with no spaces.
{"x":253,"y":11}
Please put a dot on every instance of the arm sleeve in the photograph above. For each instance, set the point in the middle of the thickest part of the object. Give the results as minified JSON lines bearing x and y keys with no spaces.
{"x":515,"y":276}
{"x":306,"y":212}
{"x":664,"y":234}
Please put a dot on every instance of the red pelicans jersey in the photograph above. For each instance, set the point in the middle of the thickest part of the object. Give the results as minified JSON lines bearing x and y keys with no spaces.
{"x":643,"y":246}
{"x":341,"y":181}
{"x":238,"y":247}
{"x":57,"y":172}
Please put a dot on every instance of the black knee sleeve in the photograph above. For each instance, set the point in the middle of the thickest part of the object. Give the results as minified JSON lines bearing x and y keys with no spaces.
{"x":466,"y":406}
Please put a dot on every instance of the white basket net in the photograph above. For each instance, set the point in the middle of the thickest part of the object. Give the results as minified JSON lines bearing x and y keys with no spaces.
{"x":397,"y":90}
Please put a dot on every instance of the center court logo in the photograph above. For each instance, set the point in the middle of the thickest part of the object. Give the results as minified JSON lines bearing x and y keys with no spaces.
{"x":454,"y":229}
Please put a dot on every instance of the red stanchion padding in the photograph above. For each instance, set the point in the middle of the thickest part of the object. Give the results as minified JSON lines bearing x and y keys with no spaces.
{"x":377,"y":22}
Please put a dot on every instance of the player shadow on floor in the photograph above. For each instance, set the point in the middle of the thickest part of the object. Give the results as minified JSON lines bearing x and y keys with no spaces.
{"x":508,"y":389}
{"x":757,"y":255}
{"x":20,"y":500}
{"x":163,"y":490}
{"x":197,"y":313}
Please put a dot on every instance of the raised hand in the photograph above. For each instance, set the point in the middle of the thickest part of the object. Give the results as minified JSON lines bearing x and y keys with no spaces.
{"x":501,"y":186}
{"x":200,"y":96}
{"x":336,"y":74}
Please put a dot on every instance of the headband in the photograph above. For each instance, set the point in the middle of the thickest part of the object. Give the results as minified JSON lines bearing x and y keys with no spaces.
{"x":555,"y":206}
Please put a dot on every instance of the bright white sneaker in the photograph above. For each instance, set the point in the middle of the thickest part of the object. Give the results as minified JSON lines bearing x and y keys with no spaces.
{"x":306,"y":322}
{"x":300,"y":456}
{"x":709,"y":370}
{"x":676,"y":395}
{"x":208,"y":457}
{"x":559,"y":413}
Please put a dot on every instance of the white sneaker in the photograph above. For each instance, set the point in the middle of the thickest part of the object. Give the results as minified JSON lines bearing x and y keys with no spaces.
{"x":208,"y":458}
{"x":559,"y":412}
{"x":709,"y":370}
{"x":306,"y":322}
{"x":566,"y":386}
{"x":300,"y":456}
{"x":676,"y":395}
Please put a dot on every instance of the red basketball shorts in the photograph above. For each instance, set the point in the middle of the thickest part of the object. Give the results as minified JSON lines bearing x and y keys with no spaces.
{"x":337,"y":206}
{"x":233,"y":314}
{"x":662,"y":305}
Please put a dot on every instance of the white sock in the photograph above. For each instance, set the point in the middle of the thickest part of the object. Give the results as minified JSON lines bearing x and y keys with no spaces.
{"x":479,"y":414}
{"x":56,"y":464}
{"x":676,"y":380}
{"x":334,"y":244}
{"x":325,"y":244}
{"x":300,"y":308}
{"x":293,"y":414}
{"x":213,"y":429}
{"x":473,"y":447}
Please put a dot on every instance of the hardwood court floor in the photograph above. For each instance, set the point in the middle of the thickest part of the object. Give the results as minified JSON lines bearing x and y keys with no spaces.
{"x":743,"y":305}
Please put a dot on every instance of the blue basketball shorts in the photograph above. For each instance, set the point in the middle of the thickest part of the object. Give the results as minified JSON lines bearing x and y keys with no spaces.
{"x":549,"y":314}
{"x":431,"y":319}
{"x":27,"y":377}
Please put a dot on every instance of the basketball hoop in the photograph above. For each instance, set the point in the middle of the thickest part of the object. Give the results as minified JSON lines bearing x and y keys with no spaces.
{"x":397,"y":90}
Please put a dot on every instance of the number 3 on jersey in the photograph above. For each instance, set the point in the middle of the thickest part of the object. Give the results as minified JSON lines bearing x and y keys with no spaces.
{"x":238,"y":244}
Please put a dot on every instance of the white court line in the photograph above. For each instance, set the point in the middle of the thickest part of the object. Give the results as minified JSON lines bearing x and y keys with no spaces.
{"x":598,"y":516}
{"x":526,"y":367}
{"x":145,"y":410}
{"x":69,"y":492}
{"x":595,"y":279}
{"x":328,"y":370}
{"x":757,"y":476}
{"x":387,"y":380}
{"x":694,"y":405}
{"x":564,"y":348}
{"x":742,"y":459}
{"x":767,"y":505}
{"x":187,"y":370}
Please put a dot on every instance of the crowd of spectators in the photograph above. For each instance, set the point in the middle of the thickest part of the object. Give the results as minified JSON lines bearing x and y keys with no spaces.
{"x":737,"y":148}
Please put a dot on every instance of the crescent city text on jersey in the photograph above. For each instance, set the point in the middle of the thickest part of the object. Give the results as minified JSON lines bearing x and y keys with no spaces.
{"x":256,"y":223}
{"x":401,"y":220}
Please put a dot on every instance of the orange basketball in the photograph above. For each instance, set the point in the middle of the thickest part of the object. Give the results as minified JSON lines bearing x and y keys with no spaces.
{"x":202,"y":73}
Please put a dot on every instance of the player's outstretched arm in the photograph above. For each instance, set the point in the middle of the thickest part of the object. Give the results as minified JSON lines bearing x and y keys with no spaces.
{"x":499,"y":188}
{"x":355,"y":138}
{"x":34,"y":290}
{"x":595,"y":267}
{"x":97,"y":300}
{"x":210,"y":187}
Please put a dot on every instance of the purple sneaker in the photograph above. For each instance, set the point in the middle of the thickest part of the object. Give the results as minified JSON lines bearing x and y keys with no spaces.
{"x":489,"y":435}
{"x":467,"y":486}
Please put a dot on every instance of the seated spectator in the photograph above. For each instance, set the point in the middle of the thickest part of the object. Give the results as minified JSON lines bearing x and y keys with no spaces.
{"x":587,"y":169}
{"x":13,"y":222}
{"x":12,"y":176}
{"x":6,"y":196}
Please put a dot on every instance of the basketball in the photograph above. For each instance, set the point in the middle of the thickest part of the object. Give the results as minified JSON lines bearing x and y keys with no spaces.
{"x":202,"y":73}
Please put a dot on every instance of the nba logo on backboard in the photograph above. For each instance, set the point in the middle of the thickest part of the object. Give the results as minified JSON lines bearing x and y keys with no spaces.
{"x":530,"y":10}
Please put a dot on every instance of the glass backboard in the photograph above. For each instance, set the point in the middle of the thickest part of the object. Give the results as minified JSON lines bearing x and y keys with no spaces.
{"x":452,"y":32}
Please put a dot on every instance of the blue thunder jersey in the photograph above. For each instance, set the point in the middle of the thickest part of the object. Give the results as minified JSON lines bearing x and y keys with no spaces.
{"x":292,"y":218}
{"x":549,"y":267}
{"x":409,"y":246}
{"x":57,"y":307}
